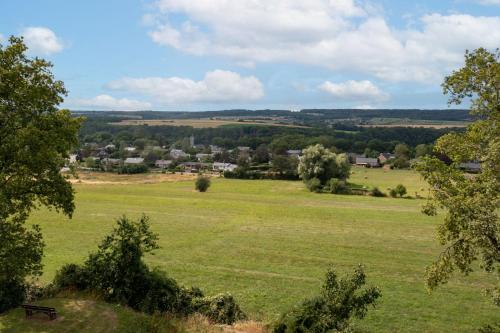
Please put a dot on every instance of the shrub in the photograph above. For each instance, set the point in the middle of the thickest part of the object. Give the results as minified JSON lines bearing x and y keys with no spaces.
{"x":12,"y":294}
{"x":71,"y":276}
{"x":375,"y":192}
{"x":333,"y":309}
{"x":314,"y":185}
{"x":161,"y":293}
{"x":221,"y":309}
{"x":337,"y":186}
{"x":133,"y":169}
{"x":398,"y":191}
{"x":202,"y":183}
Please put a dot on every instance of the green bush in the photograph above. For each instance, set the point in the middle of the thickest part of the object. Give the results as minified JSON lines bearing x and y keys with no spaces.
{"x":71,"y":276}
{"x":12,"y":294}
{"x":161,"y":293}
{"x":333,"y":309}
{"x":221,"y":309}
{"x":398,"y":191}
{"x":337,"y":186}
{"x":133,"y":169}
{"x":314,"y":185}
{"x":202,"y":183}
{"x":375,"y":192}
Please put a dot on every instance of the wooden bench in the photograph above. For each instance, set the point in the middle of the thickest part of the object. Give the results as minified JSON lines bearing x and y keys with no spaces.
{"x":30,"y":309}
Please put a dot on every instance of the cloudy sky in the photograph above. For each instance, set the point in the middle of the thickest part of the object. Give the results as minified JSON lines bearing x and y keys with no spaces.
{"x":221,"y":54}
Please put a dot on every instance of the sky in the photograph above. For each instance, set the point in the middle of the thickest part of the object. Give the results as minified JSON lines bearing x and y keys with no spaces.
{"x":254,"y":54}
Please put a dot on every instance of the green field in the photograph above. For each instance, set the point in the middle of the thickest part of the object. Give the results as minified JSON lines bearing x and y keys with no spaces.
{"x":270,"y":243}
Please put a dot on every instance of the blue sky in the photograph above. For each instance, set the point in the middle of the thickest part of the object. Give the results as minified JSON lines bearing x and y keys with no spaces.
{"x":221,"y":54}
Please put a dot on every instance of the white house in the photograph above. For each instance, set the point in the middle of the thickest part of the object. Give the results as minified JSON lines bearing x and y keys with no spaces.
{"x":177,"y":153}
{"x":72,"y":158}
{"x":134,"y":160}
{"x":219,"y":166}
{"x":294,"y":152}
{"x":163,"y":163}
{"x":129,"y":148}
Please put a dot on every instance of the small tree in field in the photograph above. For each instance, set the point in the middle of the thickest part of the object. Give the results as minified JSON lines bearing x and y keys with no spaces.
{"x":332,"y":310}
{"x":398,"y":191}
{"x":202,"y":183}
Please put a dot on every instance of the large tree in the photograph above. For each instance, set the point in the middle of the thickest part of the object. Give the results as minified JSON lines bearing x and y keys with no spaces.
{"x":471,"y":230}
{"x":35,"y":138}
{"x":319,"y":162}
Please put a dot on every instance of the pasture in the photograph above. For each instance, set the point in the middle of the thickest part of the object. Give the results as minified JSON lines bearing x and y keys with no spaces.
{"x":270,"y":242}
{"x":205,"y":122}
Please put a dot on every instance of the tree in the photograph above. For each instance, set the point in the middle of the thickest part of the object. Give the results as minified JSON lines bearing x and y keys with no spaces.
{"x":261,"y":154}
{"x":471,"y":228}
{"x":285,"y":165}
{"x":423,"y":150}
{"x":35,"y":138}
{"x":319,"y":162}
{"x":202,"y":183}
{"x":398,"y":191}
{"x":333,"y":309}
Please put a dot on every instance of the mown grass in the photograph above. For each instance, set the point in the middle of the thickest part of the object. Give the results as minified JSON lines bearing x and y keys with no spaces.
{"x":270,"y":243}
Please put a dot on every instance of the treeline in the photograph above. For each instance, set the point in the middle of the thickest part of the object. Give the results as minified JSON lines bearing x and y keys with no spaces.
{"x":343,"y":137}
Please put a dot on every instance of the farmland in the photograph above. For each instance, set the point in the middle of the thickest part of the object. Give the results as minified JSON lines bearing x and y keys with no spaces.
{"x":270,"y":242}
{"x":206,"y":123}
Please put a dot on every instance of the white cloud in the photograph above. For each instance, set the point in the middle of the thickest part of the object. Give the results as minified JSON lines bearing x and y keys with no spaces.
{"x":354,"y":91}
{"x":217,"y":86}
{"x":2,"y":38}
{"x":489,"y":2}
{"x":106,"y":102}
{"x":339,"y":35}
{"x":42,"y":40}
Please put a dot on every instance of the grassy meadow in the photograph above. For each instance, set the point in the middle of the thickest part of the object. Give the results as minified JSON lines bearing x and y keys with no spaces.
{"x":270,"y":242}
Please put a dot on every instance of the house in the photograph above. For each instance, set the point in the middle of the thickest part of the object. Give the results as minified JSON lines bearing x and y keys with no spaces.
{"x":110,"y":161}
{"x":194,"y":166}
{"x":384,"y":157}
{"x":294,"y":152}
{"x":177,"y":153}
{"x":110,"y":147}
{"x":163,"y":164}
{"x":472,"y":167}
{"x":201,"y":156}
{"x":367,"y":162}
{"x":243,"y":148}
{"x":129,"y":148}
{"x":134,"y":160}
{"x":215,"y":149}
{"x":219,"y":166}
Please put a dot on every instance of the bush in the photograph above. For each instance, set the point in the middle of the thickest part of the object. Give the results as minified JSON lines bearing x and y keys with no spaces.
{"x":375,"y":192}
{"x":398,"y":191}
{"x":333,"y":309}
{"x":337,"y":186}
{"x":133,"y":169}
{"x":12,"y":294}
{"x":202,"y":183}
{"x":71,"y":276}
{"x":161,"y":293}
{"x":221,"y":309}
{"x":314,"y":185}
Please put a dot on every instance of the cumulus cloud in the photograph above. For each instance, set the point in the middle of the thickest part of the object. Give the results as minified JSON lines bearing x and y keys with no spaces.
{"x":351,"y":90}
{"x":217,"y":86}
{"x":42,"y":40}
{"x":340,"y":35}
{"x":106,"y":102}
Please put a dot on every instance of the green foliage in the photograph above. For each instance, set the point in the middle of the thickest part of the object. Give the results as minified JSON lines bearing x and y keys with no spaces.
{"x":375,"y":192}
{"x":219,"y":309}
{"x":35,"y":138}
{"x":337,"y":186}
{"x":319,"y":162}
{"x":12,"y":293}
{"x":398,"y":191}
{"x":202,"y":183}
{"x":471,"y":228}
{"x":314,"y":185}
{"x":285,"y":166}
{"x":332,"y":310}
{"x":133,"y":169}
{"x":117,"y":272}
